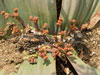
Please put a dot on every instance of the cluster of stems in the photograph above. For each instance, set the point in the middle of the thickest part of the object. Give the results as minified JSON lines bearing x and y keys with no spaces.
{"x":14,"y":15}
{"x":42,"y":52}
{"x":32,"y":60}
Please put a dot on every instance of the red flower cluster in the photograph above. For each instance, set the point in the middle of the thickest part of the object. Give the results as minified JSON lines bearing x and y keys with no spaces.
{"x":16,"y":10}
{"x":72,"y":21}
{"x":2,"y":12}
{"x":34,"y":19}
{"x":57,"y":51}
{"x":68,"y":48}
{"x":60,"y":22}
{"x":43,"y":53}
{"x":73,"y":27}
{"x":45,"y":25}
{"x":32,"y":60}
{"x":5,"y":14}
{"x":62,"y":32}
{"x":45,"y":32}
{"x":16,"y":14}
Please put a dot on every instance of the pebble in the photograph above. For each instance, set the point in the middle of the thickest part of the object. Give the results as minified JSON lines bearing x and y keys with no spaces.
{"x":85,"y":41}
{"x":17,"y":66}
{"x":93,"y":54}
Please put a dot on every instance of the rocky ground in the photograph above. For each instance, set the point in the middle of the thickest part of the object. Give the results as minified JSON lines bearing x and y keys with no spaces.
{"x":92,"y":41}
{"x":9,"y":56}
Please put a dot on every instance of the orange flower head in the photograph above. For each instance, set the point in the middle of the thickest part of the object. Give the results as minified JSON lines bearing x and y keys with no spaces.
{"x":2,"y":12}
{"x":40,"y":55}
{"x":32,"y":57}
{"x":59,"y":54}
{"x":72,"y":21}
{"x":65,"y":49}
{"x":53,"y":55}
{"x":45,"y":58}
{"x":34,"y":60}
{"x":29,"y":59}
{"x":15,"y":9}
{"x":69,"y":53}
{"x":60,"y":48}
{"x":70,"y":48}
{"x":6,"y":17}
{"x":55,"y":50}
{"x":34,"y":21}
{"x":31,"y":18}
{"x":41,"y":49}
{"x":6,"y":14}
{"x":55,"y":36}
{"x":68,"y":45}
{"x":15,"y":15}
{"x":60,"y":19}
{"x":45,"y":25}
{"x":47,"y":31}
{"x":84,"y":26}
{"x":58,"y":24}
{"x":43,"y":54}
{"x":62,"y":32}
{"x":35,"y":18}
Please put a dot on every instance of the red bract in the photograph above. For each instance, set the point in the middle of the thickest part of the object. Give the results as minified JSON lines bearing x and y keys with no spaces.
{"x":55,"y":36}
{"x":35,"y":18}
{"x":59,"y":54}
{"x":65,"y":49}
{"x":60,"y":48}
{"x":70,"y":48}
{"x":15,"y":9}
{"x":45,"y":25}
{"x":73,"y":27}
{"x":69,"y":53}
{"x":34,"y":61}
{"x":62,"y":32}
{"x":41,"y":49}
{"x":84,"y":26}
{"x":45,"y":32}
{"x":58,"y":24}
{"x":53,"y":55}
{"x":15,"y":15}
{"x":2,"y":12}
{"x":31,"y":18}
{"x":68,"y":45}
{"x":45,"y":58}
{"x":29,"y":59}
{"x":60,"y":19}
{"x":72,"y":21}
{"x":6,"y":17}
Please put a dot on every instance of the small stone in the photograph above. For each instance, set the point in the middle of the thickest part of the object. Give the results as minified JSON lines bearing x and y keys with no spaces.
{"x":17,"y":66}
{"x":6,"y":60}
{"x":85,"y":40}
{"x":93,"y":54}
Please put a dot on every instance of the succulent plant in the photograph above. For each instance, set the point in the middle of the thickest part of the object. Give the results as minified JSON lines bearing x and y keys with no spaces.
{"x":43,"y":14}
